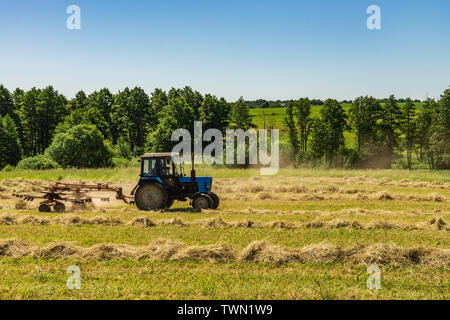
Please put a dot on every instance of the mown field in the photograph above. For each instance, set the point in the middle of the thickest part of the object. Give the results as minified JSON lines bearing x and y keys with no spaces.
{"x":303,"y":234}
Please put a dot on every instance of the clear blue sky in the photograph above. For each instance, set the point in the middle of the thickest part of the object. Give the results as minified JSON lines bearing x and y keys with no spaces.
{"x":256,"y":49}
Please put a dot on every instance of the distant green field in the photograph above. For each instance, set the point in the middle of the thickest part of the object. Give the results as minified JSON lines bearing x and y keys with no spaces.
{"x":276,"y":116}
{"x":267,"y":116}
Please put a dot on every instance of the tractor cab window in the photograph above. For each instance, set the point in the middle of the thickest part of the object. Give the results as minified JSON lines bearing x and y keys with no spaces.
{"x":166,"y":167}
{"x":175,"y":171}
{"x":157,"y":167}
{"x":181,"y":169}
{"x":150,"y":167}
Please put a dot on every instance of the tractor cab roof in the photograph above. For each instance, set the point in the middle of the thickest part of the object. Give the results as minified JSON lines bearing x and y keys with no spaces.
{"x":160,"y":155}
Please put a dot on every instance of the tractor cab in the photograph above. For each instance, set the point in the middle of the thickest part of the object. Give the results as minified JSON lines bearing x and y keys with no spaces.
{"x":162,"y":182}
{"x":159,"y":167}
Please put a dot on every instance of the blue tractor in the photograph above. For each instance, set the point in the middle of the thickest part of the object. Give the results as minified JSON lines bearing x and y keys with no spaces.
{"x":162,"y":182}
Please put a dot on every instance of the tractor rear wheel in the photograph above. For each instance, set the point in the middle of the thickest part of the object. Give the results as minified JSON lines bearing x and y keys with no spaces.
{"x":151,"y":197}
{"x":203,"y":201}
{"x":215,"y":199}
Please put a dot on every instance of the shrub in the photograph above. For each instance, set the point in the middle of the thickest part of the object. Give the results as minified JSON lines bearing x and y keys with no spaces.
{"x":39,"y":162}
{"x":8,"y":168}
{"x":83,"y":146}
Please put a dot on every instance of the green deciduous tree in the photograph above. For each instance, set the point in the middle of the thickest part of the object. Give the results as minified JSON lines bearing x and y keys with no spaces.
{"x":214,"y":113}
{"x":320,"y":139}
{"x":240,"y":115}
{"x":123,"y":149}
{"x":158,"y":101}
{"x":83,"y":146}
{"x":328,"y":132}
{"x":29,"y":120}
{"x":334,"y":116}
{"x":440,"y":133}
{"x":6,"y":102}
{"x":424,"y":125}
{"x":303,"y":112}
{"x":10,"y":150}
{"x":299,"y":124}
{"x":50,"y":110}
{"x":77,"y":103}
{"x":194,"y":99}
{"x":444,"y":109}
{"x":177,"y":114}
{"x":364,"y":114}
{"x":101,"y":101}
{"x":16,"y":97}
{"x":95,"y":109}
{"x":132,"y":115}
{"x":390,"y":123}
{"x":408,"y":128}
{"x":40,"y":112}
{"x":291,"y":125}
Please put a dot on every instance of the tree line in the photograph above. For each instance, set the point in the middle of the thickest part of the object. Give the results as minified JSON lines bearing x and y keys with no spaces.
{"x":43,"y":128}
{"x":385,"y":129}
{"x":262,"y":103}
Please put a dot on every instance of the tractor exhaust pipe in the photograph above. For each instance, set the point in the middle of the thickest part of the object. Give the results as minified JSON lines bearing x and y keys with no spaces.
{"x":193,"y":169}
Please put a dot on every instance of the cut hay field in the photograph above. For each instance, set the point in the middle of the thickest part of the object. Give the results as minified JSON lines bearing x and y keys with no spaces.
{"x":303,"y":234}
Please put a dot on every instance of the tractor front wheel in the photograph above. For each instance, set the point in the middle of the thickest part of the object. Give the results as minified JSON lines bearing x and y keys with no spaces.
{"x":203,"y":201}
{"x":151,"y":197}
{"x":215,"y":199}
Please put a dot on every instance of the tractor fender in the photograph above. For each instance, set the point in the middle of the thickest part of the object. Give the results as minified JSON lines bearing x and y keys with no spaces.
{"x":134,"y":189}
{"x":144,"y":181}
{"x":196,"y":195}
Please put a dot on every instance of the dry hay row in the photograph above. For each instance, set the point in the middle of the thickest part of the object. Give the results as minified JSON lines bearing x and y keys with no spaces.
{"x":257,"y":251}
{"x":349,"y":211}
{"x":223,"y":185}
{"x":218,"y":222}
{"x":319,"y":196}
{"x":399,"y":183}
{"x":291,"y":184}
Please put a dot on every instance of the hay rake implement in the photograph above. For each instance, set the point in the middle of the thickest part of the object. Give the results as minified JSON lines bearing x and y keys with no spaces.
{"x":78,"y":194}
